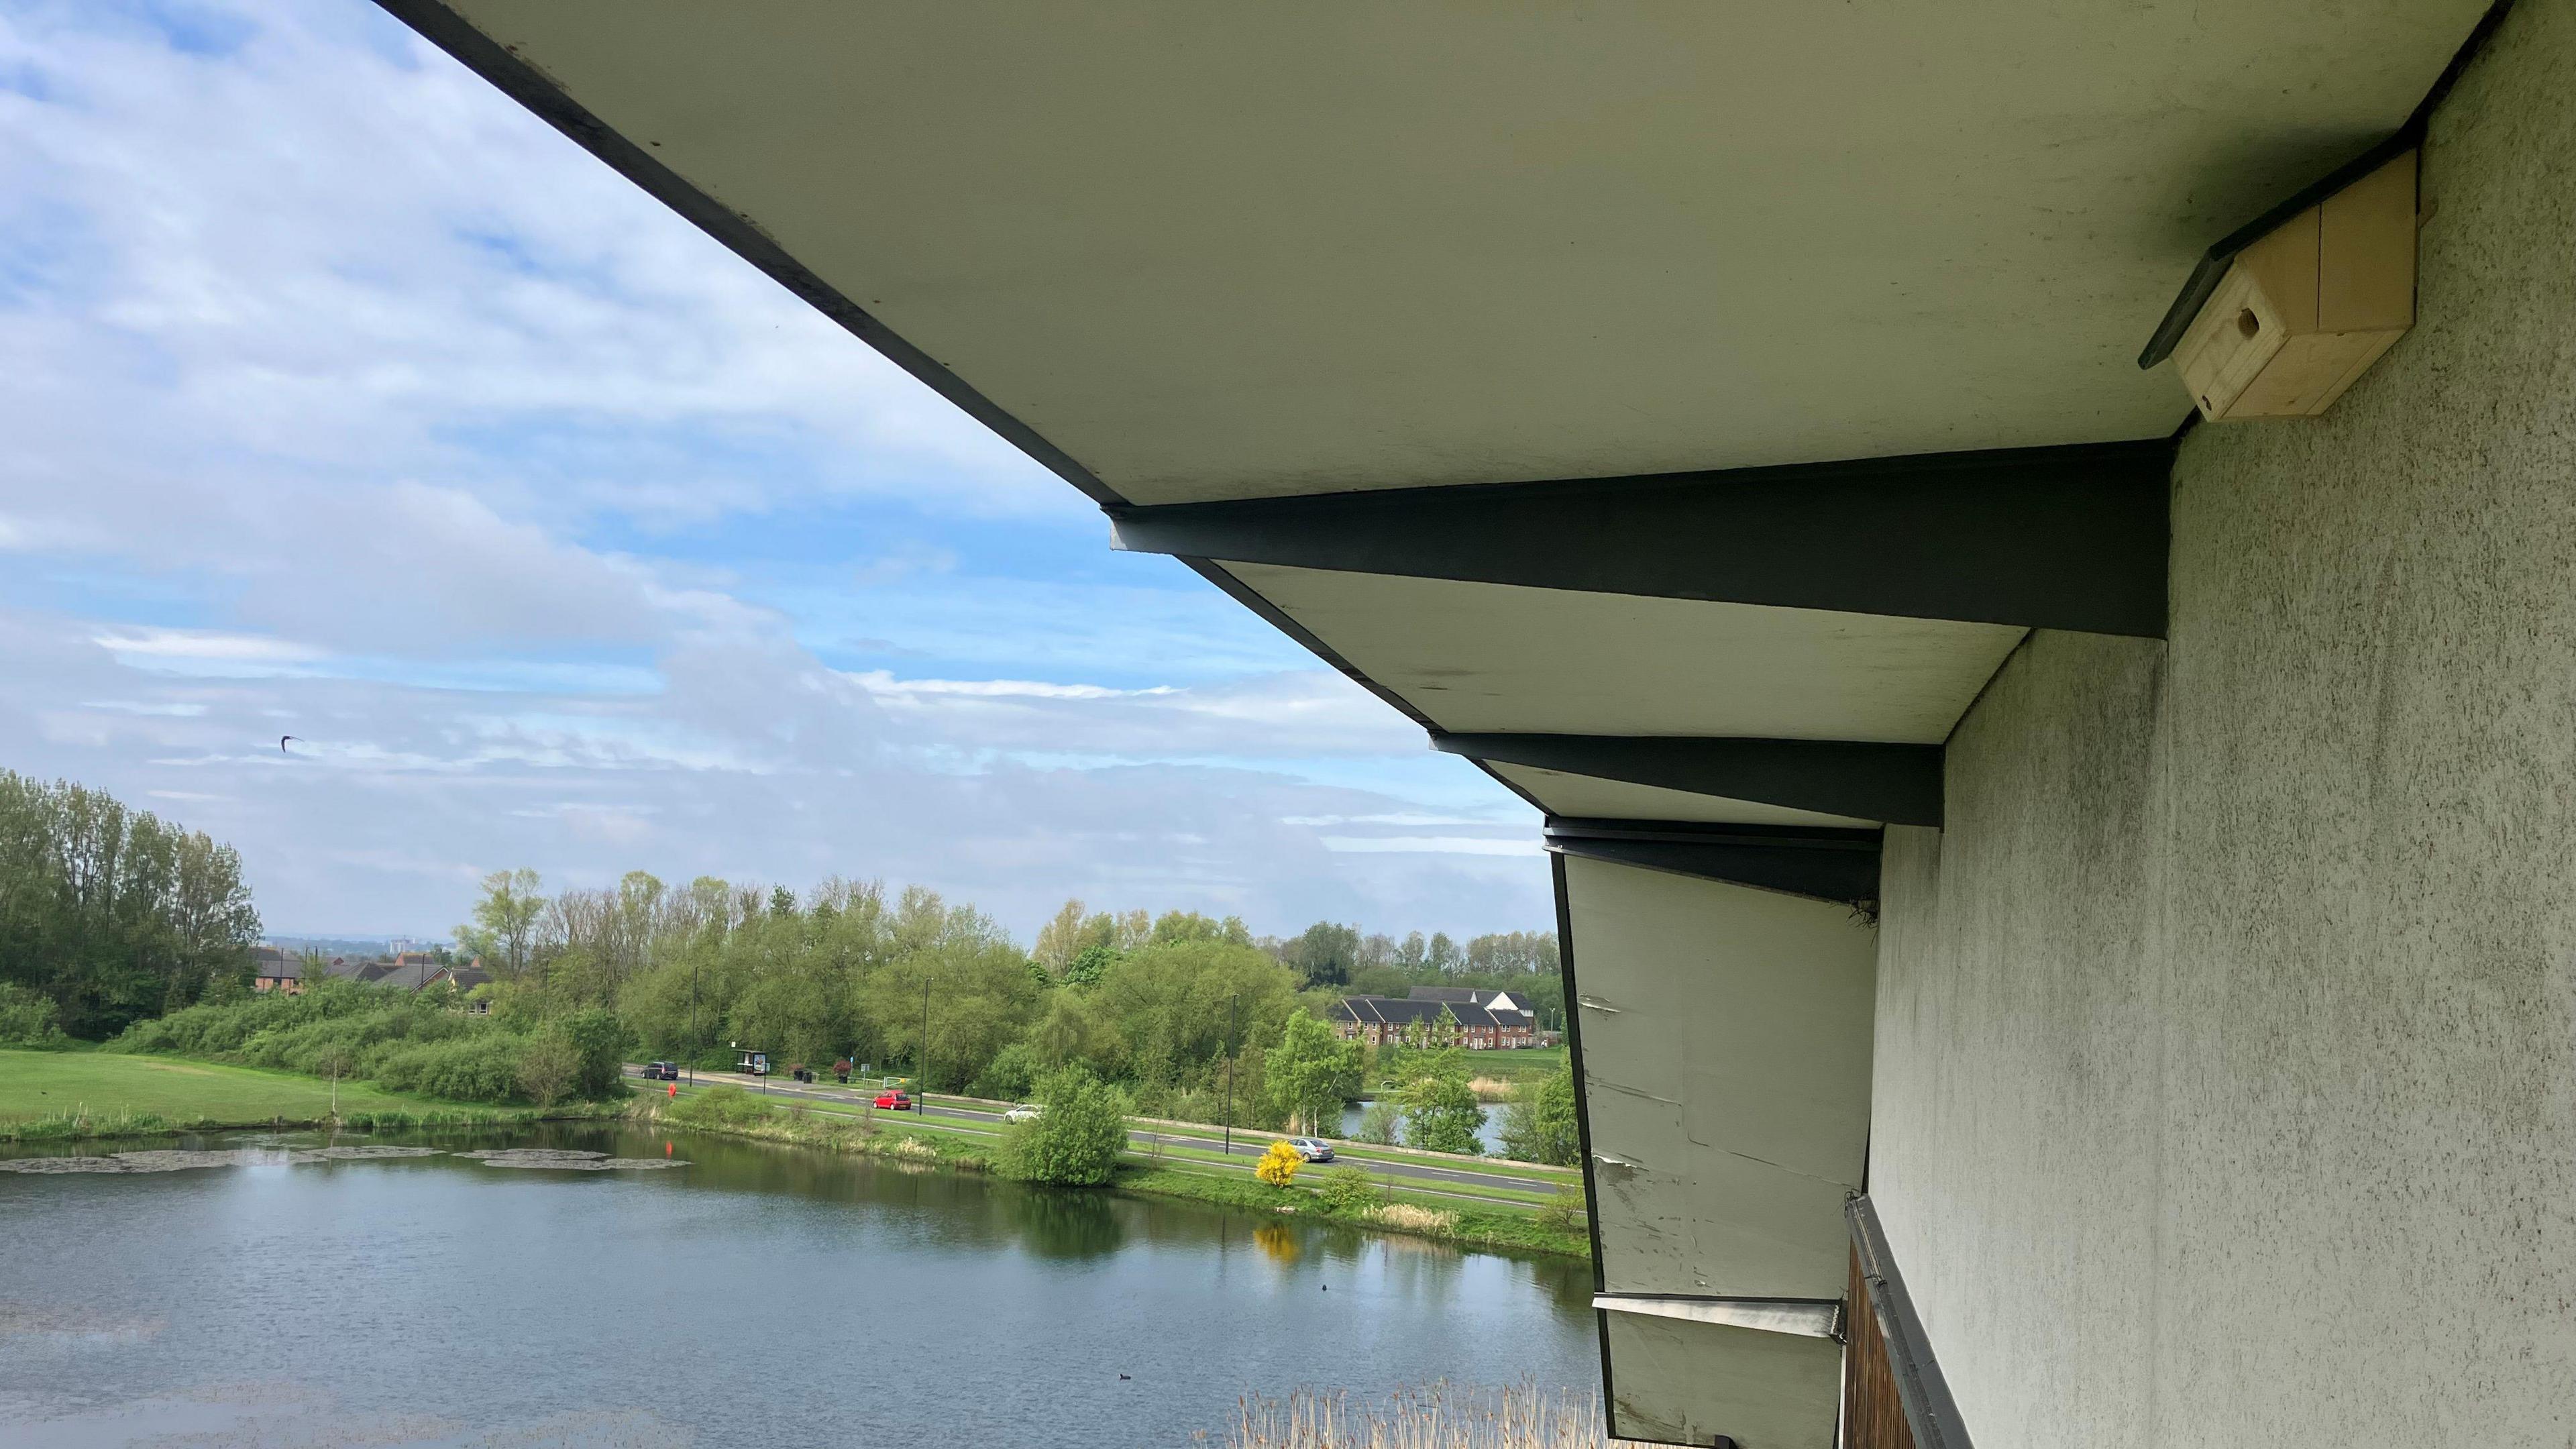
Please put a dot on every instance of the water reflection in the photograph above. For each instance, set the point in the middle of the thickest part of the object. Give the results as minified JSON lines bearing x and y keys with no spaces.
{"x":1276,"y":1242}
{"x":678,"y":1295}
{"x":1061,"y":1223}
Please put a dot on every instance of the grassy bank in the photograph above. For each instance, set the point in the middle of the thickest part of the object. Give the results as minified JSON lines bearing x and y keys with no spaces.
{"x":68,"y":1096}
{"x":1519,"y":1222}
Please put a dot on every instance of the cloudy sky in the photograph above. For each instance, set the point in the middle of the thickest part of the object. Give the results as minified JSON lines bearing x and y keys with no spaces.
{"x":340,"y":398}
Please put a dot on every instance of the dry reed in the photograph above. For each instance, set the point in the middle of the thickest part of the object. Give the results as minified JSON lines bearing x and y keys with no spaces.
{"x":1413,"y":1219}
{"x":1441,"y":1416}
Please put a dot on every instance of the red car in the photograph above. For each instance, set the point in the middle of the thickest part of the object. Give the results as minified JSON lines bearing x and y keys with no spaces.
{"x":897,"y":1100}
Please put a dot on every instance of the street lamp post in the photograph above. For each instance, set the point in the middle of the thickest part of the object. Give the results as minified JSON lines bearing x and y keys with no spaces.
{"x":923,"y":1106}
{"x":1231,"y":1003}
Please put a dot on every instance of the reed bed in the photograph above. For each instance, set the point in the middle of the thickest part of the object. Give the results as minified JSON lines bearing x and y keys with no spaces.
{"x":1440,"y":1416}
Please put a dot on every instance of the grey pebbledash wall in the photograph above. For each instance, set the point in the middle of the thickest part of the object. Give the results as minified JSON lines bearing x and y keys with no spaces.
{"x":2226,"y":1039}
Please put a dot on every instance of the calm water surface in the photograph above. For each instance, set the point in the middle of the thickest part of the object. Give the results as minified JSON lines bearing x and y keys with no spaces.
{"x":759,"y":1296}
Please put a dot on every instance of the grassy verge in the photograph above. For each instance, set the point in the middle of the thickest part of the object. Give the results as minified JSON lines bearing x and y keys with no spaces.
{"x":1500,"y":1218}
{"x":984,"y":1138}
{"x":1351,"y":1151}
{"x":71,"y":1096}
{"x":799,"y":1124}
{"x":1415,"y":1214}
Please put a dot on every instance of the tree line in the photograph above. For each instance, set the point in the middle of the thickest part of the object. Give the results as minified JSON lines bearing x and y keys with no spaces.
{"x":110,"y":915}
{"x":1189,"y":1016}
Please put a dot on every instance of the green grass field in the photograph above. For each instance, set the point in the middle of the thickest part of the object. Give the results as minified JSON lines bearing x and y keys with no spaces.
{"x":1530,"y":1064}
{"x":36,"y":1085}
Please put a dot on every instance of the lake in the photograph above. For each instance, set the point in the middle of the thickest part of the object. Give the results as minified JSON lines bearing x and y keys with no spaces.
{"x":1489,"y":1130}
{"x":759,"y":1295}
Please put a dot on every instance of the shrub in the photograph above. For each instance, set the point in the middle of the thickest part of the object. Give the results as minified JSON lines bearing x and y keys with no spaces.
{"x":550,"y":1069}
{"x":718,"y":1107}
{"x":1564,"y":1212}
{"x":598,"y":1041}
{"x":400,"y":1041}
{"x":1076,"y":1142}
{"x":482,"y":1068}
{"x":1278,"y":1166}
{"x":1348,"y":1191}
{"x":27,"y":1018}
{"x":1378,"y":1124}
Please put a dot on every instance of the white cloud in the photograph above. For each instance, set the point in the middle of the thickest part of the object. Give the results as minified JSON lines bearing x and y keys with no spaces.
{"x":350,"y":402}
{"x":1432,"y":845}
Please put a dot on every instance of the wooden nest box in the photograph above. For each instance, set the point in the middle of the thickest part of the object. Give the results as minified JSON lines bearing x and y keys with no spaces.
{"x":2294,"y":308}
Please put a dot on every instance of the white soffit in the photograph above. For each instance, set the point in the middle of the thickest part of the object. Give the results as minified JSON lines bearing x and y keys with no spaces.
{"x":1688,"y":1383}
{"x":1587,"y":795}
{"x":1676,"y":1382}
{"x":1229,"y":250}
{"x":1726,"y":1054}
{"x":1476,"y":657}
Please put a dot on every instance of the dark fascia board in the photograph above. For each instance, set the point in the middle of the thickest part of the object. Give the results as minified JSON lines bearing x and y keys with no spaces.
{"x":1565,"y":970}
{"x":2213,"y":264}
{"x":1831,"y":865}
{"x":1899,"y":784}
{"x":2062,"y":538}
{"x":1930,"y":1412}
{"x":524,"y":83}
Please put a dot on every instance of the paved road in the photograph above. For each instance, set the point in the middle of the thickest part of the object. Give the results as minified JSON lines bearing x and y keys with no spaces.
{"x":1247,"y":1144}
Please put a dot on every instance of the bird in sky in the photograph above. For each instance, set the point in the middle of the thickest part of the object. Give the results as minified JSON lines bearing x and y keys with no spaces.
{"x":281,"y":744}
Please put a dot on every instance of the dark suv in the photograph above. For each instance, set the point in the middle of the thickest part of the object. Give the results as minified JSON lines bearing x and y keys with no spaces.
{"x":661,"y":1071}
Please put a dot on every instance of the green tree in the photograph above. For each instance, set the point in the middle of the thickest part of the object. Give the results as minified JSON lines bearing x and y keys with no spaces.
{"x":1311,"y":1073}
{"x":113,"y":914}
{"x":504,"y":929}
{"x":1090,"y":964}
{"x":1324,"y":954}
{"x":1441,"y":1113}
{"x":1076,"y":1141}
{"x":1539,"y":1126}
{"x":598,"y":1041}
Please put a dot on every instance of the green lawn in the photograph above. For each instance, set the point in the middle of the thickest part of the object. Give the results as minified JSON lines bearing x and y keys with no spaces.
{"x":52,"y":1084}
{"x":1529,"y":1064}
{"x":985,"y":1136}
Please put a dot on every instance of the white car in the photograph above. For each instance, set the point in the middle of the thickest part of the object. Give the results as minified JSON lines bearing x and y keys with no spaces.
{"x":1313,"y":1149}
{"x":1025,"y":1112}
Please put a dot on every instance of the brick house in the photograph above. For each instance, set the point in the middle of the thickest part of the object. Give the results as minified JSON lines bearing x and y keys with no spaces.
{"x":273,"y":969}
{"x":1378,"y":1020}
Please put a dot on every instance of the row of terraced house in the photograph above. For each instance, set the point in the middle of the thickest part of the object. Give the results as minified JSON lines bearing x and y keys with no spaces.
{"x":1482,"y":1020}
{"x":277,"y":969}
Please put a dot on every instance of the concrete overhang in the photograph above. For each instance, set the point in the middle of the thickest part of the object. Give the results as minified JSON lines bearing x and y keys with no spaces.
{"x":1189,"y":256}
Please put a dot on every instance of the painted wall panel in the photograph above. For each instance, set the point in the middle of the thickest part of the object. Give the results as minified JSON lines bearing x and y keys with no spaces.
{"x":2226,"y":1067}
{"x":1726,"y":1038}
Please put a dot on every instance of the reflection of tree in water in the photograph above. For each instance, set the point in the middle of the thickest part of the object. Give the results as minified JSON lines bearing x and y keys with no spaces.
{"x":1276,"y":1241}
{"x":1069,"y":1223}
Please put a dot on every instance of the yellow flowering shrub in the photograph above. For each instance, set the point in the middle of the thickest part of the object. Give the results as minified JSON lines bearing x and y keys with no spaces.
{"x":1278,"y":1166}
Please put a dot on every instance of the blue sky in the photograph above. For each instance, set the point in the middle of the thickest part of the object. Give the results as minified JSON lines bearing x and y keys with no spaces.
{"x":345,"y":400}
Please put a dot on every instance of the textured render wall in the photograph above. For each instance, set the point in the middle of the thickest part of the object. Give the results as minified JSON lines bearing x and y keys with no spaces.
{"x":2226,"y":1059}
